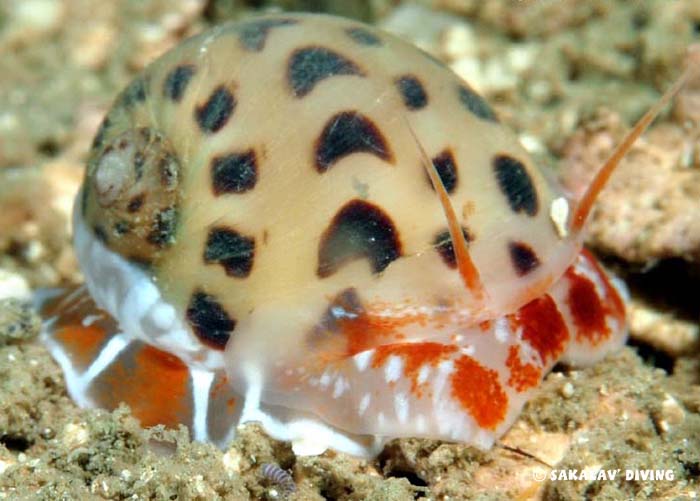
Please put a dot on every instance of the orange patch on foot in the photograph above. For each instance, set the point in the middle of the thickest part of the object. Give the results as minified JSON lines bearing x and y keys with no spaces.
{"x":479,"y":392}
{"x":588,"y":309}
{"x":367,"y":330}
{"x":155,"y":387}
{"x":543,"y":327}
{"x":81,"y":343}
{"x":522,"y":376}
{"x":219,"y":387}
{"x":616,"y":305}
{"x":486,"y":325}
{"x":414,"y":355}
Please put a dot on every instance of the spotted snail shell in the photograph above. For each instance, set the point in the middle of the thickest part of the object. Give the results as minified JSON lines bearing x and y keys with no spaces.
{"x":303,"y":221}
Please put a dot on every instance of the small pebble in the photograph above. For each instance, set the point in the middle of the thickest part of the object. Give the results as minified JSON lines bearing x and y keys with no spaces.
{"x":48,"y":433}
{"x":672,"y":414}
{"x":18,"y":321}
{"x":13,"y":285}
{"x":232,"y":461}
{"x":75,"y":435}
{"x":567,"y":390}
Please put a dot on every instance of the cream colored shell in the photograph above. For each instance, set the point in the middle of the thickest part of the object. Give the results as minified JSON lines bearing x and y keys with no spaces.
{"x":292,"y":204}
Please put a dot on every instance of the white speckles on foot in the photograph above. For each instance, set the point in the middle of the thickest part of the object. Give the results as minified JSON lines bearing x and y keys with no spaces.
{"x":529,"y":355}
{"x":443,"y":426}
{"x":421,"y":424}
{"x":423,"y":374}
{"x":444,"y":369}
{"x":308,"y":434}
{"x":325,"y":379}
{"x":340,"y":386}
{"x":201,"y":383}
{"x":362,"y":360}
{"x":401,"y":407}
{"x":364,"y":403}
{"x":90,"y":319}
{"x":393,"y":369}
{"x":501,"y":329}
{"x":107,"y":355}
{"x":457,"y":428}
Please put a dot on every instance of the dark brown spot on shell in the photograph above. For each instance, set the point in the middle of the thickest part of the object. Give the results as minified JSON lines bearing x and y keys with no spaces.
{"x":100,"y":233}
{"x":234,"y":173}
{"x":138,"y":165}
{"x":359,"y":230}
{"x":230,"y":249}
{"x":163,"y":226}
{"x":412,"y":92}
{"x":136,"y":203}
{"x":310,"y":65}
{"x":475,"y":103}
{"x":346,"y":133}
{"x":168,"y":168}
{"x":363,"y":36}
{"x":84,"y":193}
{"x":443,"y":244}
{"x":346,"y":305}
{"x":209,"y":321}
{"x":446,"y":168}
{"x":177,"y":80}
{"x":253,"y":34}
{"x":98,"y":141}
{"x":216,"y":111}
{"x":142,"y":262}
{"x":134,"y":93}
{"x":122,"y":228}
{"x":523,"y":258}
{"x":516,"y":184}
{"x":146,"y":134}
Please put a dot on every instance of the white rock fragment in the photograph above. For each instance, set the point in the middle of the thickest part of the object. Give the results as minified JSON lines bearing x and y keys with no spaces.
{"x":75,"y":435}
{"x":232,"y":461}
{"x":672,"y":414}
{"x":39,"y":15}
{"x":567,"y":390}
{"x":5,"y":464}
{"x":13,"y":285}
{"x":458,"y":41}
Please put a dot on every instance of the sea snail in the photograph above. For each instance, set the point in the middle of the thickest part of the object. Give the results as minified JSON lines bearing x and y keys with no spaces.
{"x":306,"y":222}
